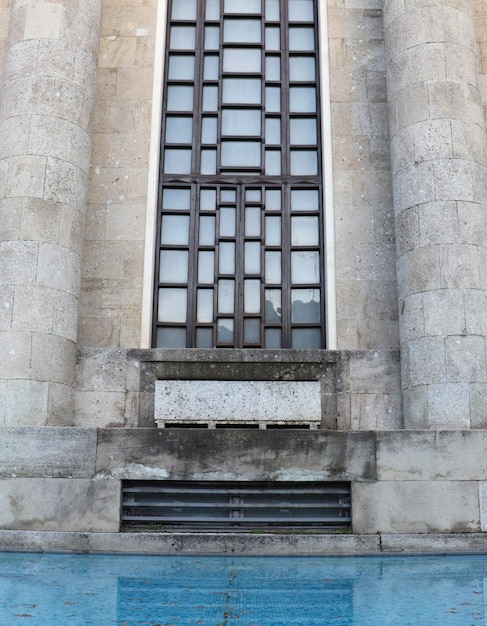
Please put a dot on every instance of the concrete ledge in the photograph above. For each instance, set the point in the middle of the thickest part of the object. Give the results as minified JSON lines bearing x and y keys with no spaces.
{"x":242,"y":544}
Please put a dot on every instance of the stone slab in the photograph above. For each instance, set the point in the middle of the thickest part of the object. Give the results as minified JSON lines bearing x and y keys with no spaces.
{"x":415,"y":507}
{"x":432,"y":455}
{"x":224,"y":401}
{"x":235,"y":454}
{"x":59,"y":504}
{"x":47,"y":452}
{"x":435,"y":543}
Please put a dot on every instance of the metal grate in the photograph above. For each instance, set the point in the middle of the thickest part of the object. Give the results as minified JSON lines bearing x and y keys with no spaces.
{"x":159,"y":505}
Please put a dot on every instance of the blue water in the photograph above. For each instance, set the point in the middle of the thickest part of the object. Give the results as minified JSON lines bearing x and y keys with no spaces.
{"x":72,"y":590}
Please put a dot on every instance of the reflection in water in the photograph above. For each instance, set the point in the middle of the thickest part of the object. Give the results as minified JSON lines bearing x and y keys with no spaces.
{"x":47,"y":589}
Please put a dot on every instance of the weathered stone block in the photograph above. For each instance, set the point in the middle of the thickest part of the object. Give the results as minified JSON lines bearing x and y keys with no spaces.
{"x":214,"y":401}
{"x":59,"y":504}
{"x":47,"y":452}
{"x":416,"y":507}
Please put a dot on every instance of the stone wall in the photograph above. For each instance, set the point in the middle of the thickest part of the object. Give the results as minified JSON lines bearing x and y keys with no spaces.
{"x":4,"y":22}
{"x":402,"y":481}
{"x":111,"y":299}
{"x":364,"y":216}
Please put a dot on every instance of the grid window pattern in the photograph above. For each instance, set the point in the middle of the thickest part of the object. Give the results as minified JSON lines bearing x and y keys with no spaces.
{"x":240,"y":229}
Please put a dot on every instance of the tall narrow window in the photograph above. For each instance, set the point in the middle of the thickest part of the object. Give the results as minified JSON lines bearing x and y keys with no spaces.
{"x":239,"y":258}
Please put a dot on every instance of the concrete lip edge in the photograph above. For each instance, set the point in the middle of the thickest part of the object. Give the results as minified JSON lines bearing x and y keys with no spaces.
{"x":242,"y":544}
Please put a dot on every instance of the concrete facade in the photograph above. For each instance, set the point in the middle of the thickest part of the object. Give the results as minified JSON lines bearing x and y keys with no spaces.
{"x":404,"y":381}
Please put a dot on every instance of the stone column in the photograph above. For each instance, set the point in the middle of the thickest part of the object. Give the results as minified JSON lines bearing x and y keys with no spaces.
{"x":439,"y":181}
{"x":46,"y":103}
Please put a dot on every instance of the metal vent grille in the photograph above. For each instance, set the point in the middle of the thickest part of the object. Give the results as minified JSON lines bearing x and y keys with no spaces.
{"x":159,"y":505}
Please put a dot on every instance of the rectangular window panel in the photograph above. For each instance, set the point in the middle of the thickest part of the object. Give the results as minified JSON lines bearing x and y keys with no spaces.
{"x":305,"y":267}
{"x":273,"y":68}
{"x":273,"y":131}
{"x":168,"y":337}
{"x":175,"y":230}
{"x":251,"y":331}
{"x":208,"y":161}
{"x":303,"y":131}
{"x":272,"y":231}
{"x":253,"y":195}
{"x":226,"y":296}
{"x":273,"y":162}
{"x":180,"y":98}
{"x":304,"y":231}
{"x":226,"y":259}
{"x":305,"y":306}
{"x":304,"y":200}
{"x":237,"y":6}
{"x":179,"y":129}
{"x":209,"y":129}
{"x":273,"y":338}
{"x":306,"y":338}
{"x":272,"y":10}
{"x":273,"y":306}
{"x":302,"y":99}
{"x":241,"y":60}
{"x":272,"y":38}
{"x":182,"y":38}
{"x":176,"y":199}
{"x":184,"y":10}
{"x":210,"y":68}
{"x":227,"y":222}
{"x":273,"y":199}
{"x":301,"y":11}
{"x":204,"y":338}
{"x":240,"y":154}
{"x":252,"y":222}
{"x":206,"y":267}
{"x":204,"y":306}
{"x":241,"y":122}
{"x":301,"y":38}
{"x":181,"y":67}
{"x":207,"y":230}
{"x":212,"y":38}
{"x":212,"y":10}
{"x":304,"y":162}
{"x":177,"y":161}
{"x":273,"y":99}
{"x":241,"y":90}
{"x":210,"y":98}
{"x":241,"y":31}
{"x":208,"y":199}
{"x":273,"y":268}
{"x":252,"y":296}
{"x":252,"y":257}
{"x":302,"y":69}
{"x":173,"y":266}
{"x":173,"y":305}
{"x":225,"y":330}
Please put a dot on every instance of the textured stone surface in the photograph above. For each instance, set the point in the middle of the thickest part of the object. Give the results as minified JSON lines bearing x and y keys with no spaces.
{"x":416,"y":507}
{"x":214,"y":401}
{"x":59,"y":504}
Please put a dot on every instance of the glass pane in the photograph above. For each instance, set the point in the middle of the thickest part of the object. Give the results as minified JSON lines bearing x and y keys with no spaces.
{"x":182,"y":38}
{"x":302,"y":99}
{"x":179,"y":129}
{"x":273,"y":99}
{"x":272,"y":10}
{"x":302,"y":69}
{"x":177,"y":161}
{"x":252,"y":195}
{"x":179,"y":98}
{"x":175,"y":230}
{"x":209,"y":130}
{"x":212,"y":10}
{"x":171,"y":337}
{"x":184,"y":10}
{"x":237,"y":6}
{"x":240,"y":154}
{"x":206,"y":267}
{"x":272,"y":38}
{"x":304,"y":200}
{"x":241,"y":60}
{"x":226,"y":258}
{"x":273,"y":268}
{"x":244,"y":90}
{"x":176,"y":198}
{"x":304,"y":231}
{"x":208,"y":161}
{"x":301,"y":11}
{"x":240,"y":122}
{"x":227,"y":222}
{"x":204,"y":305}
{"x":303,"y":131}
{"x":210,"y":71}
{"x":272,"y":338}
{"x":225,"y":331}
{"x":304,"y":162}
{"x":173,"y":266}
{"x":272,"y":68}
{"x":273,"y":305}
{"x":210,"y":98}
{"x":208,"y":199}
{"x":228,"y":195}
{"x":212,"y":38}
{"x":204,"y":338}
{"x":245,"y":31}
{"x":273,"y":162}
{"x":252,"y":331}
{"x":252,"y":296}
{"x":207,"y":230}
{"x":306,"y":338}
{"x":305,"y":306}
{"x":272,"y":231}
{"x":273,"y":131}
{"x":301,"y":38}
{"x":252,"y":222}
{"x":273,"y":199}
{"x":172,"y":304}
{"x":252,"y":257}
{"x":305,"y":267}
{"x":226,"y":296}
{"x":181,"y":66}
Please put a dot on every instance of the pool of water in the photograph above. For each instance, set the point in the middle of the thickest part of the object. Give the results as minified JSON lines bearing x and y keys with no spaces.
{"x":72,"y":590}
